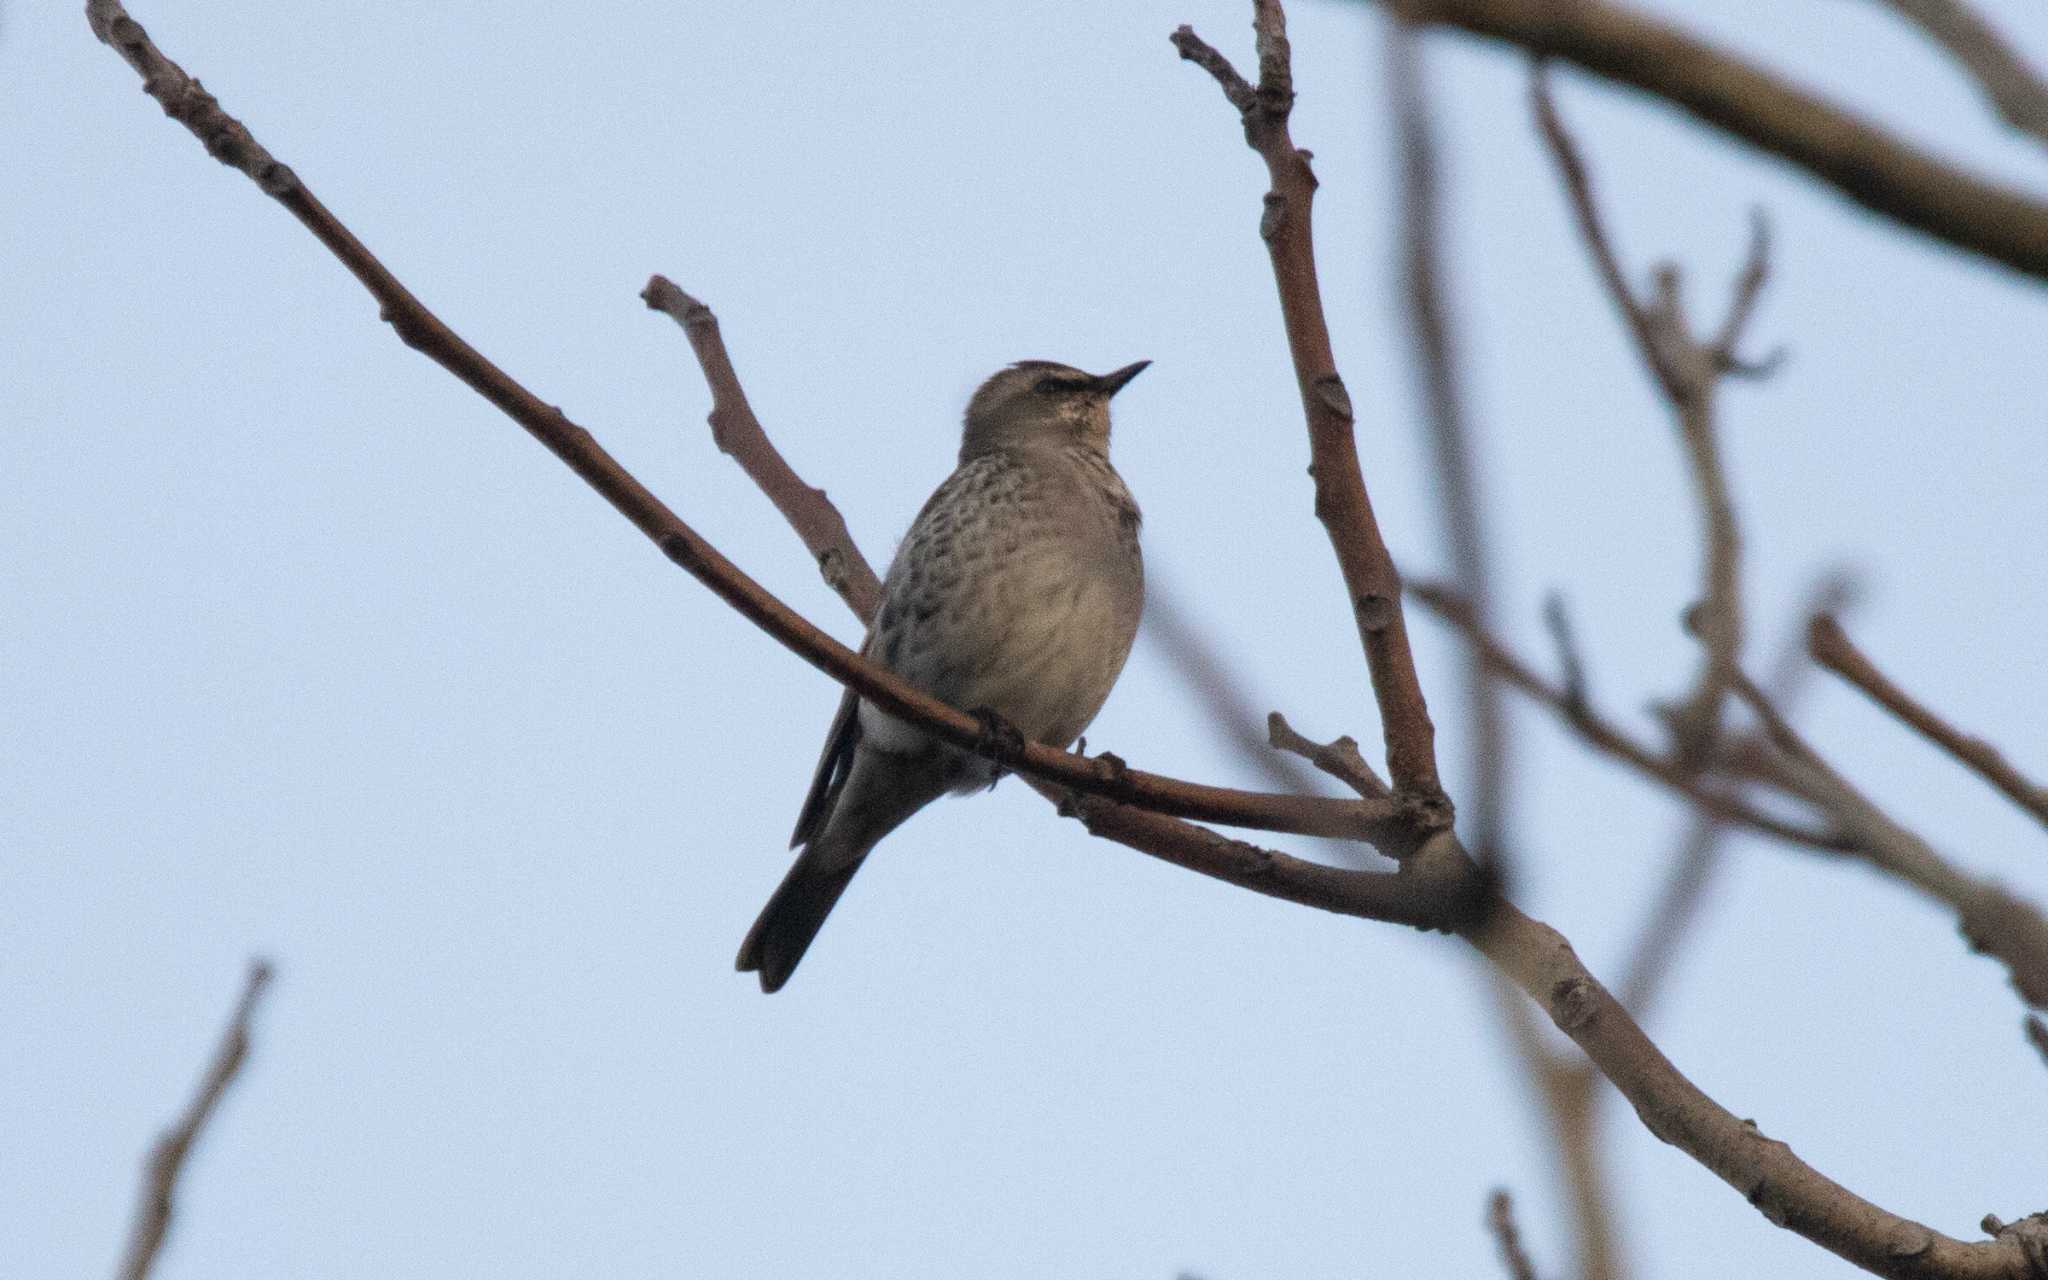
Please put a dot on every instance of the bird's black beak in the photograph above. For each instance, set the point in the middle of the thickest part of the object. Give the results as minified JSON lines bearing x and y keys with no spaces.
{"x":1111,"y":383}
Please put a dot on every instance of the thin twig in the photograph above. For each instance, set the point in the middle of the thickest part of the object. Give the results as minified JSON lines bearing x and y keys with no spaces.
{"x":167,"y":1158}
{"x":1341,"y":501}
{"x":1578,"y":185}
{"x":1484,"y":800}
{"x":1339,"y":758}
{"x":1221,"y":690}
{"x":1832,"y":648}
{"x":739,"y":436}
{"x":1571,"y":664}
{"x":2014,"y":89}
{"x":1872,"y":166}
{"x":1500,"y":1220}
{"x":2003,"y":926}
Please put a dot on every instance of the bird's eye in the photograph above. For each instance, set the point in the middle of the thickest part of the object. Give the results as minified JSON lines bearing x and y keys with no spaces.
{"x":1049,"y":386}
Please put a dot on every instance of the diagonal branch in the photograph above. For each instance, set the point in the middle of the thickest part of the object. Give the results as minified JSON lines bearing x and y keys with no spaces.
{"x":167,"y":1158}
{"x":1994,"y":920}
{"x":1868,"y":164}
{"x":1338,"y":758}
{"x":1604,"y":735}
{"x":1500,"y":1220}
{"x":1207,"y":672}
{"x":1342,"y":503}
{"x":1832,"y":648}
{"x":2016,"y":91}
{"x":738,"y":434}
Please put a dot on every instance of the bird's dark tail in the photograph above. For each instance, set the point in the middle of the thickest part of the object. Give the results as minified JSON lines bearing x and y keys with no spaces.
{"x":794,"y":915}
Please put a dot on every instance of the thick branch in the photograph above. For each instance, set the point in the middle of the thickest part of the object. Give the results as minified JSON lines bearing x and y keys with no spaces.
{"x":738,"y":434}
{"x":167,"y":1158}
{"x":1785,"y":1189}
{"x":1869,"y":165}
{"x":1341,"y":499}
{"x":1832,"y":648}
{"x":1435,"y":889}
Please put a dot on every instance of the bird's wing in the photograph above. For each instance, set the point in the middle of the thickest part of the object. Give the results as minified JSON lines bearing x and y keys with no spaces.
{"x":833,"y":764}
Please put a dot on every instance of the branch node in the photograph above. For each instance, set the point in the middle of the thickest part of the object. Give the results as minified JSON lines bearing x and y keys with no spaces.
{"x":1573,"y":1002}
{"x":1910,"y":1241}
{"x":1330,"y":390}
{"x":1375,"y":611}
{"x":1115,"y":775}
{"x":1273,"y":216}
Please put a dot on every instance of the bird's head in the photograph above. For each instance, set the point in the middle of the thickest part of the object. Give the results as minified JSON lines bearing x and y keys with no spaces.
{"x":1036,"y":402}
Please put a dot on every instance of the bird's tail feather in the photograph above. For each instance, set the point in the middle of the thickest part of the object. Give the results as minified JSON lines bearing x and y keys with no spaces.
{"x":794,"y":915}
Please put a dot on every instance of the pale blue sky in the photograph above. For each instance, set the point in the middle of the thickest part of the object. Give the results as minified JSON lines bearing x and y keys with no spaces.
{"x":306,"y":651}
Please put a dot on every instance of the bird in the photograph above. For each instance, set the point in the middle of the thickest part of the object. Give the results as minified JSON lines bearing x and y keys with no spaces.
{"x":1015,"y":596}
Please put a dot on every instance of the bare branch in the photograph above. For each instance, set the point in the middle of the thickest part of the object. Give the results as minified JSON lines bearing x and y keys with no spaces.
{"x":1869,"y":165}
{"x":1341,"y":501}
{"x":1428,"y":892}
{"x":2008,"y":928}
{"x":167,"y":1159}
{"x":739,"y":436}
{"x":1500,"y":1220}
{"x":1338,"y":758}
{"x":1220,"y":688}
{"x":1602,"y":734}
{"x":1578,"y":186}
{"x":1557,"y":620}
{"x":2016,"y":92}
{"x":2037,"y":1035}
{"x":1832,"y":648}
{"x":1785,"y":1189}
{"x":1669,"y":921}
{"x":1687,"y":369}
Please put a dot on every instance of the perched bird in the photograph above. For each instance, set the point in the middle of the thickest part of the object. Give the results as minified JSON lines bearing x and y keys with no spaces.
{"x":1016,"y":592}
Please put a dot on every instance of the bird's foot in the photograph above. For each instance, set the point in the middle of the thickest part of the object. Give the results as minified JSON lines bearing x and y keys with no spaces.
{"x":1000,"y":741}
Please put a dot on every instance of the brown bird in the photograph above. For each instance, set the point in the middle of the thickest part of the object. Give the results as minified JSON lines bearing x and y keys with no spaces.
{"x":1016,"y":592}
